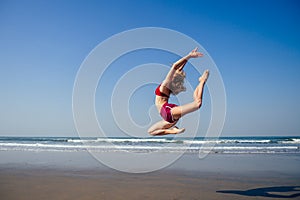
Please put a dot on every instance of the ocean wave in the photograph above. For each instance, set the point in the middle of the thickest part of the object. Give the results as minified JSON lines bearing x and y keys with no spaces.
{"x":218,"y":145}
{"x":143,"y":148}
{"x":179,"y":140}
{"x":292,"y":141}
{"x":228,"y":141}
{"x":192,"y":141}
{"x":124,"y":140}
{"x":34,"y":139}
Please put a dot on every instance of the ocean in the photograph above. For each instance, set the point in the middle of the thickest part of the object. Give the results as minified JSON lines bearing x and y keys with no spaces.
{"x":222,"y":145}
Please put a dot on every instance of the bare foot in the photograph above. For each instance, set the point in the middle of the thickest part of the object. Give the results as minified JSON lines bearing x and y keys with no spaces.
{"x":204,"y":76}
{"x":176,"y":130}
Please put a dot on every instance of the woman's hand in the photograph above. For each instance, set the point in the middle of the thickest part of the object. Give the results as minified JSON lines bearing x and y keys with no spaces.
{"x":194,"y":53}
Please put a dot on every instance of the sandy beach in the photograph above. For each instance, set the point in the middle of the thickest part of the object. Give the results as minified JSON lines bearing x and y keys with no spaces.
{"x":51,"y":175}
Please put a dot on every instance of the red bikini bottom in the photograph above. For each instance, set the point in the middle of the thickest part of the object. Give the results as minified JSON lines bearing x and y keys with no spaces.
{"x":165,"y":112}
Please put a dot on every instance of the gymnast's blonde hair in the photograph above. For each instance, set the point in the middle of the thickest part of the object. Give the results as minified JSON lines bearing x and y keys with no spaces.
{"x":177,"y":84}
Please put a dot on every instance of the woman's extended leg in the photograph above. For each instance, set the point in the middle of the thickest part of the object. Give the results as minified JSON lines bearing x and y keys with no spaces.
{"x":164,"y":128}
{"x":180,"y":111}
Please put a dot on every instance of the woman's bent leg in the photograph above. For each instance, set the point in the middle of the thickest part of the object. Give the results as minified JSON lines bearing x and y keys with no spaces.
{"x":164,"y":128}
{"x":180,"y":111}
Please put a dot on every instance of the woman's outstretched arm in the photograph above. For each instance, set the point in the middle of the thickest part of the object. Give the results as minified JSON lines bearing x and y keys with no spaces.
{"x":179,"y":65}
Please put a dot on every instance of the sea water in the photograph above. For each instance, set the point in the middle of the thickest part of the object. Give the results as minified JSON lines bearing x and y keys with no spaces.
{"x":222,"y":145}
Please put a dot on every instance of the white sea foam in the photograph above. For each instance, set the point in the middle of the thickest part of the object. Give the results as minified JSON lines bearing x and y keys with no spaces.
{"x":222,"y":145}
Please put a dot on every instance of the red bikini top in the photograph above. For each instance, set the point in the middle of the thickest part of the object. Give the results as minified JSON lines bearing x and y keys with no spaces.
{"x":159,"y":93}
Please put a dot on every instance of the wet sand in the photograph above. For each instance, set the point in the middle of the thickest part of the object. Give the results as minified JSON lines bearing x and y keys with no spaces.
{"x":216,"y":177}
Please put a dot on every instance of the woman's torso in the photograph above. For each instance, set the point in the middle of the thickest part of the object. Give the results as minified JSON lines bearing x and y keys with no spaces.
{"x":162,"y":96}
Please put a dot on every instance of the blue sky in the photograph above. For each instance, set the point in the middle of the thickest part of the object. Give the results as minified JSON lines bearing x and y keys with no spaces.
{"x":255,"y":44}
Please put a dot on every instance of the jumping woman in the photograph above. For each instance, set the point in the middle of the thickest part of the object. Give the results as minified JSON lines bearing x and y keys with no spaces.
{"x":174,"y":84}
